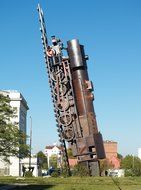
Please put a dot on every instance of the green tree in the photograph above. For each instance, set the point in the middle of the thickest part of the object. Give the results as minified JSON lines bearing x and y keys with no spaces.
{"x":53,"y":161}
{"x":42,"y":159}
{"x":132,"y":165}
{"x":119,"y":156}
{"x":12,"y":140}
{"x":81,"y":170}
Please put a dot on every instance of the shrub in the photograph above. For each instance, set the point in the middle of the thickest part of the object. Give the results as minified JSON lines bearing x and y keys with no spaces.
{"x":55,"y":174}
{"x":65,"y":172}
{"x":80,"y":170}
{"x":28,"y":174}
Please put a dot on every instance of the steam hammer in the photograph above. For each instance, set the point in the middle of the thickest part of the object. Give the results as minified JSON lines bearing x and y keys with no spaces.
{"x":72,"y":97}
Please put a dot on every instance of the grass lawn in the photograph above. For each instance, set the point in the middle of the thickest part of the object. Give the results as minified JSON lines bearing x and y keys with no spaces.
{"x":75,"y":183}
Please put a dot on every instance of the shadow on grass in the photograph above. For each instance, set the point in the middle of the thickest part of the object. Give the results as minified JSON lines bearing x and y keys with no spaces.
{"x":36,"y":187}
{"x":26,"y":187}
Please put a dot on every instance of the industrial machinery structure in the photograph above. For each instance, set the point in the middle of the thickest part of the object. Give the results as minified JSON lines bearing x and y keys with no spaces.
{"x":72,"y":97}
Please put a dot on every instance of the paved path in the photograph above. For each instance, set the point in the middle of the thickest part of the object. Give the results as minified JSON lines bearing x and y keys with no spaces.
{"x":12,"y":186}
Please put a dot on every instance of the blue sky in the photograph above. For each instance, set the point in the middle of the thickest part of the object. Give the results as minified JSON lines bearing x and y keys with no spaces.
{"x":111,"y":33}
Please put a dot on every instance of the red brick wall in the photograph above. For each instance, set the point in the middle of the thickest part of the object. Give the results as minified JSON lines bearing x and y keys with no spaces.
{"x":110,"y":149}
{"x":111,"y":153}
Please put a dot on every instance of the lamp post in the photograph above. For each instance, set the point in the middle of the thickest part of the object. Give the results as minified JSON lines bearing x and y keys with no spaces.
{"x":30,"y":144}
{"x":133,"y":161}
{"x":48,"y":160}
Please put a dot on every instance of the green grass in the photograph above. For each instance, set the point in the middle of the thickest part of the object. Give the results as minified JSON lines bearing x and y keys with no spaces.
{"x":75,"y":183}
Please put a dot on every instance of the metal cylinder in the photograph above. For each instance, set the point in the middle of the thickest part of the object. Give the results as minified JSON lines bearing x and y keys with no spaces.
{"x":76,"y":53}
{"x":83,"y":95}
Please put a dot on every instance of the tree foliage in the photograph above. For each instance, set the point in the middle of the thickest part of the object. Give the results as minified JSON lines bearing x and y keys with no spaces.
{"x":119,"y":156}
{"x":132,"y":165}
{"x":12,"y":140}
{"x":53,"y":161}
{"x":81,"y":170}
{"x":42,"y":159}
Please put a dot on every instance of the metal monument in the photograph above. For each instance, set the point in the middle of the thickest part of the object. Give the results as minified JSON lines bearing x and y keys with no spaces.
{"x":72,"y":97}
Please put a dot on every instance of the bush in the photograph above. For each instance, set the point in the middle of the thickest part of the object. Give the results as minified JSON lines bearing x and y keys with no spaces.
{"x":65,"y":172}
{"x":55,"y":174}
{"x":28,"y":174}
{"x":80,"y":170}
{"x":132,"y":165}
{"x":133,"y":172}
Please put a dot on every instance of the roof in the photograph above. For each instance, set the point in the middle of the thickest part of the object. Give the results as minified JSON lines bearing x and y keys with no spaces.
{"x":51,"y":147}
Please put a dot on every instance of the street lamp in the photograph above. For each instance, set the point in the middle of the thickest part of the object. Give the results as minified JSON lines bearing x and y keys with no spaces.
{"x":133,"y":161}
{"x":30,"y":144}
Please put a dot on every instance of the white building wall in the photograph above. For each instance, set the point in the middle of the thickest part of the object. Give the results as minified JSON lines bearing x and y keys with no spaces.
{"x":34,"y":163}
{"x":18,"y":102}
{"x":53,"y":151}
{"x":4,"y":168}
{"x":14,"y":166}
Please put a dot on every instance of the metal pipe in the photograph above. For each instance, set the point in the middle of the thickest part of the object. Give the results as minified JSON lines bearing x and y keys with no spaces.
{"x":83,"y":95}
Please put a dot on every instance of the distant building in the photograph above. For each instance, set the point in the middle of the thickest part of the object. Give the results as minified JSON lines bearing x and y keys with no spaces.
{"x":110,"y":148}
{"x":111,"y":153}
{"x":56,"y":150}
{"x":139,"y":153}
{"x":16,"y":167}
{"x":51,"y":151}
{"x":18,"y":102}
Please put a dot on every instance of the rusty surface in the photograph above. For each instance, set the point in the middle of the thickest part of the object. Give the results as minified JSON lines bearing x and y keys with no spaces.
{"x":90,"y":146}
{"x":72,"y":97}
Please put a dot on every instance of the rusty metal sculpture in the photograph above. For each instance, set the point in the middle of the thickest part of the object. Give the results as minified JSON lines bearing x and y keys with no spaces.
{"x":73,"y":100}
